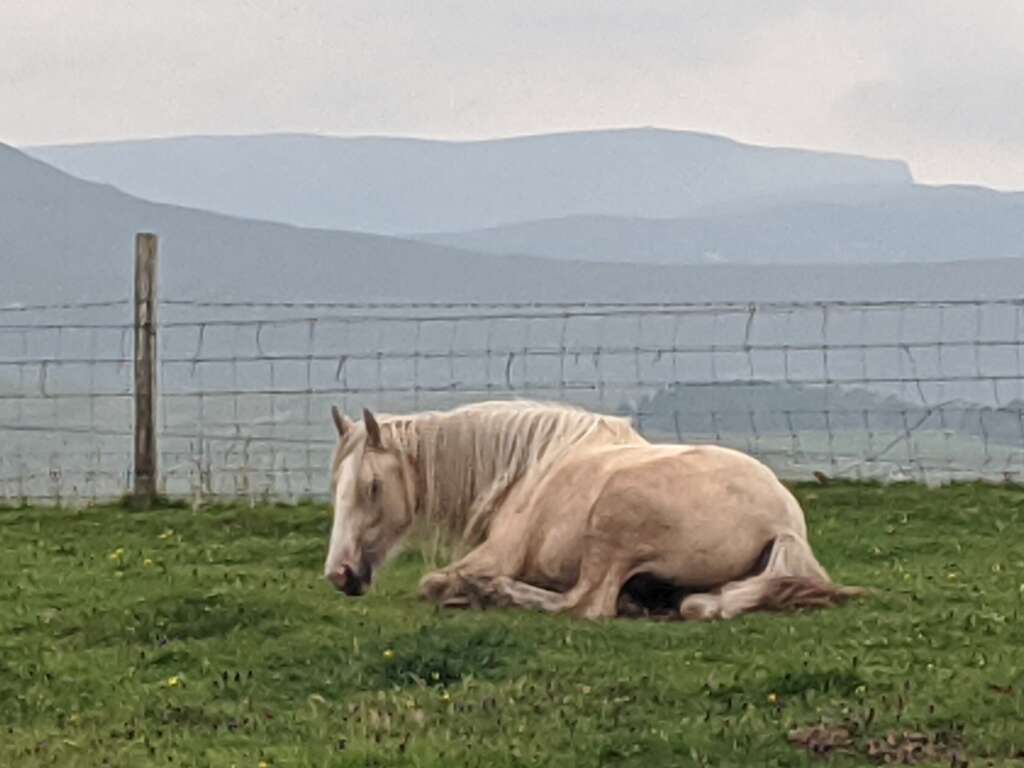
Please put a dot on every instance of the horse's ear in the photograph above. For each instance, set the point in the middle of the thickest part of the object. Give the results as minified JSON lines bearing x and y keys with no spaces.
{"x":341,"y":422}
{"x":372,"y":430}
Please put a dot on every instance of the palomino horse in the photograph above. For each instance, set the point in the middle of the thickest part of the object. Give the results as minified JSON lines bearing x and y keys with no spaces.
{"x":566,"y":510}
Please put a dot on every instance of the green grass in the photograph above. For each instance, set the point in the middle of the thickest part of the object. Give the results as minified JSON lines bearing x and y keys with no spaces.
{"x":177,"y":638}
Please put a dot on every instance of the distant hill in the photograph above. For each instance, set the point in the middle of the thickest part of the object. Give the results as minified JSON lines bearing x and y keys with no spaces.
{"x":62,"y":238}
{"x":399,"y":185}
{"x":889,"y":223}
{"x":780,"y":408}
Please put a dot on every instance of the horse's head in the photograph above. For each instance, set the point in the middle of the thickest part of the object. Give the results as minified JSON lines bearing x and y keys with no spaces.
{"x":374,"y":492}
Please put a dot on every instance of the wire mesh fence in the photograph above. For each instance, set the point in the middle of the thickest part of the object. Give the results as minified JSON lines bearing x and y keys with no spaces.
{"x":929,"y":391}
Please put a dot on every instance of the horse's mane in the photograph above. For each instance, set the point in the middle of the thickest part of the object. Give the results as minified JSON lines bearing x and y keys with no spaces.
{"x":468,"y":458}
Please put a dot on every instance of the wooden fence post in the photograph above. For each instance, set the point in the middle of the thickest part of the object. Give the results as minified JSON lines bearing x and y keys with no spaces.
{"x":146,"y":471}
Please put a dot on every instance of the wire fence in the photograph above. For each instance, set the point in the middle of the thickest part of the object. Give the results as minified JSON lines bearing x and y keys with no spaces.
{"x":929,"y":391}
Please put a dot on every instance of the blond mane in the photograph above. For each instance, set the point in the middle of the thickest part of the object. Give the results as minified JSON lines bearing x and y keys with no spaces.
{"x":468,"y":458}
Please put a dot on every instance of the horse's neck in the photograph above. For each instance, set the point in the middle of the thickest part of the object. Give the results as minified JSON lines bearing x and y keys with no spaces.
{"x":464,"y":466}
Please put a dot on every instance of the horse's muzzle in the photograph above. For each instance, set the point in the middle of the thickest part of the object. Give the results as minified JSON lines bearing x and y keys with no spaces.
{"x":346,"y":580}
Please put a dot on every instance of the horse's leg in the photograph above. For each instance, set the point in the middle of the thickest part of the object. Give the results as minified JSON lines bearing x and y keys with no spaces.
{"x":724,"y":602}
{"x":444,"y":588}
{"x":588,"y":600}
{"x":761,"y":593}
{"x":791,"y":580}
{"x":457,"y":585}
{"x":475,"y":582}
{"x":503,"y":591}
{"x":595,"y":595}
{"x":482,"y":577}
{"x":604,"y":568}
{"x":614,"y":550}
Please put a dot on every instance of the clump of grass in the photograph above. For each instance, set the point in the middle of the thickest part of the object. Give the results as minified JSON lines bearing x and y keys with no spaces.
{"x":433,"y":656}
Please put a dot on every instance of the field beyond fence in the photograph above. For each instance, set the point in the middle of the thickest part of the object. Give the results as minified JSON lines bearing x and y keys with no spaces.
{"x":924,"y":391}
{"x":231,"y":399}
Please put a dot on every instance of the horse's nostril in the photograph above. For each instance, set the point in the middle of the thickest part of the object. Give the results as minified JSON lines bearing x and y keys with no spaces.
{"x":339,"y":577}
{"x":345,"y":580}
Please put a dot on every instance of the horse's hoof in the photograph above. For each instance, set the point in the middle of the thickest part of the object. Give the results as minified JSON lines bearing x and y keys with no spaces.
{"x":700,"y":608}
{"x":434,"y":585}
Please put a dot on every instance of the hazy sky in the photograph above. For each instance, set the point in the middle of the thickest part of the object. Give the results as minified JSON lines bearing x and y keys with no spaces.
{"x":939,"y":83}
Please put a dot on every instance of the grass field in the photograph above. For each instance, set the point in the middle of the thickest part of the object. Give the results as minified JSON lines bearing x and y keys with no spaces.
{"x":208,"y":638}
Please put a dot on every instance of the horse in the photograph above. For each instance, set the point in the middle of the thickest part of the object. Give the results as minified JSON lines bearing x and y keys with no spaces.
{"x":562,"y":510}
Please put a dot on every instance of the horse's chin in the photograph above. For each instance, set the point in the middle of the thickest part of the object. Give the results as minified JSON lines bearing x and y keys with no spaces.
{"x":355,"y":589}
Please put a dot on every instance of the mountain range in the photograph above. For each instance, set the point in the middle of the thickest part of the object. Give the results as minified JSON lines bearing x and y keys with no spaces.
{"x":400,"y":186}
{"x":842,"y":225}
{"x":744,"y":219}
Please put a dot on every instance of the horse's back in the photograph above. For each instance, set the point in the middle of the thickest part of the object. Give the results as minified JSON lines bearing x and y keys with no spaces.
{"x":709,"y":478}
{"x":712,"y":508}
{"x":676,"y":460}
{"x":705,"y":514}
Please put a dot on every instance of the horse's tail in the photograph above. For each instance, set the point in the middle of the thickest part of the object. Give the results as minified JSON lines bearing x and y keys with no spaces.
{"x":793,"y":579}
{"x":790,"y":593}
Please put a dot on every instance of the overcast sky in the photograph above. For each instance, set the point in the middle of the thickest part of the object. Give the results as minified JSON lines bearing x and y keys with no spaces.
{"x":939,"y":83}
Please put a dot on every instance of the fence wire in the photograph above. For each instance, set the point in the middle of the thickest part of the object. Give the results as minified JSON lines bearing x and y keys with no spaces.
{"x":929,"y":391}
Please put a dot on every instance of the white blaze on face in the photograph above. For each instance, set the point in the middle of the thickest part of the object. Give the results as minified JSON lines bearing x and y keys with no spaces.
{"x":342,"y":549}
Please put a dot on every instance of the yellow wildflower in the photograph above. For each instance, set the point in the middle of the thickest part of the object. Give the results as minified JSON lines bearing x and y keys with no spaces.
{"x":173,"y":682}
{"x":166,"y":534}
{"x":772,"y":698}
{"x":389,"y":654}
{"x":147,"y":563}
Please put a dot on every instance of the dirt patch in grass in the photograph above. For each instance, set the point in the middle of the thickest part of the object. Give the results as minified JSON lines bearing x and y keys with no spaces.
{"x":893,"y":748}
